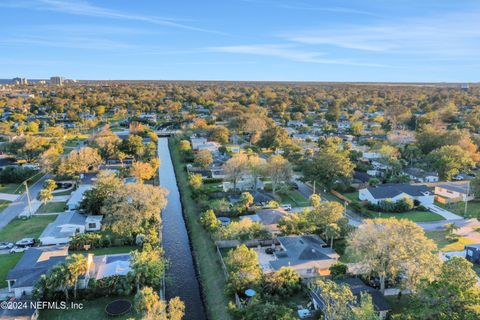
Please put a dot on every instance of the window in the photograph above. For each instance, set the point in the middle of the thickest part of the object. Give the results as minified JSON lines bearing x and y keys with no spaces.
{"x":92,"y":226}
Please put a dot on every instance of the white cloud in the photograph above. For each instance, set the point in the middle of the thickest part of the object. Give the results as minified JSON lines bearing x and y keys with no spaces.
{"x":288,"y":52}
{"x":452,"y":35}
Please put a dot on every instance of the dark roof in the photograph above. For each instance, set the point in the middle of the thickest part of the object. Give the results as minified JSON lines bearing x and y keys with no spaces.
{"x":35,"y":262}
{"x":457,"y":187}
{"x":299,"y":250}
{"x":357,"y":287}
{"x":391,"y":190}
{"x":361,"y":176}
{"x":473,"y":246}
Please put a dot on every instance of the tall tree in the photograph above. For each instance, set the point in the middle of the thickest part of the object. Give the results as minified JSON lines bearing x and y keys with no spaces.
{"x":279,"y":171}
{"x":389,"y":247}
{"x":235,"y":168}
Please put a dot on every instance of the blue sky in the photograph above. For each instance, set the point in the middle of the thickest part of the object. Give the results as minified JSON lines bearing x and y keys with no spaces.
{"x":285,"y":40}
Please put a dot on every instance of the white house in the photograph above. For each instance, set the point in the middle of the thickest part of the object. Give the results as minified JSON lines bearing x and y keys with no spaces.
{"x":396,"y":192}
{"x":66,"y":225}
{"x":420,"y":175}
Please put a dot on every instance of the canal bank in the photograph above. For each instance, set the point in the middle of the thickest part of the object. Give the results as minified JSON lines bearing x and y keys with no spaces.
{"x":212,"y":280}
{"x":181,"y":274}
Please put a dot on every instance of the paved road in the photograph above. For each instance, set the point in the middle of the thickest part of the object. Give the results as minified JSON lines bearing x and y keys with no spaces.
{"x":16,"y":207}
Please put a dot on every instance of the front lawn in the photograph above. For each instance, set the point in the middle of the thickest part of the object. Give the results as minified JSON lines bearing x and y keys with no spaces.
{"x":29,"y":228}
{"x":51,"y":207}
{"x":92,"y":309}
{"x":444,"y":244}
{"x":295,"y":198}
{"x":7,"y":262}
{"x":473,"y":208}
{"x":415,"y":216}
{"x":18,"y":188}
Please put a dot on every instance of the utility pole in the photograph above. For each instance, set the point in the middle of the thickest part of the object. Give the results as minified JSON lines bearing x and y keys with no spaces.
{"x":466,"y":199}
{"x":28,"y":199}
{"x":313,"y":186}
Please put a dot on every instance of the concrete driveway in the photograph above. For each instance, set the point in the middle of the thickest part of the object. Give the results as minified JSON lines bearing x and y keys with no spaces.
{"x":444,"y":213}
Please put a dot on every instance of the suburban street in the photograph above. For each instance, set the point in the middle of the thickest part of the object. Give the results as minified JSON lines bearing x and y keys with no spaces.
{"x":21,"y":204}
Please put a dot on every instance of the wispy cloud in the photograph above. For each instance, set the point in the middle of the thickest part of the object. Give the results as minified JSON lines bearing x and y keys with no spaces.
{"x":70,"y":42}
{"x":455,"y":34}
{"x":84,"y":8}
{"x":288,"y":52}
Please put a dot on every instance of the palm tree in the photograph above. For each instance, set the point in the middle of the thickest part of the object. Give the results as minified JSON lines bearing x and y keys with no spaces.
{"x":77,"y":267}
{"x":331,"y":231}
{"x":59,"y":278}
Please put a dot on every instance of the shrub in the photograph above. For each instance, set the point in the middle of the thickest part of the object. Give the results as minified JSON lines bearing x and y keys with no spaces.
{"x":16,"y":174}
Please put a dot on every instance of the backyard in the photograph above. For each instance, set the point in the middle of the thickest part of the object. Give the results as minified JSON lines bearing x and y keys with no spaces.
{"x":92,"y":309}
{"x":30,"y":228}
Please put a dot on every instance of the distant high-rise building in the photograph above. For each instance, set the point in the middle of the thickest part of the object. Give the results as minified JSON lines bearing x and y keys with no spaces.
{"x":21,"y":81}
{"x":56,"y":81}
{"x":465,"y":86}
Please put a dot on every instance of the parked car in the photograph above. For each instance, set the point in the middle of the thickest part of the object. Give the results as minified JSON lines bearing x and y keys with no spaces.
{"x":6,"y":245}
{"x":25,"y":242}
{"x":269,"y":251}
{"x":286,"y":207}
{"x":17,"y":249}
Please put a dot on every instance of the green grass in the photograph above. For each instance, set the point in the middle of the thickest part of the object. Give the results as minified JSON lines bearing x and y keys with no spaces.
{"x":206,"y":258}
{"x":51,"y":207}
{"x":444,"y":244}
{"x":92,"y":309}
{"x":3,"y":204}
{"x":295,"y":198}
{"x":29,"y":228}
{"x":473,"y":208}
{"x":111,"y":250}
{"x":18,"y":188}
{"x":64,"y":193}
{"x":7,"y":262}
{"x":415,"y":216}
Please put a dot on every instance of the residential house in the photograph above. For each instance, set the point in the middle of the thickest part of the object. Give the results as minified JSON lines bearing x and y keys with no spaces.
{"x":420,"y":175}
{"x":200,"y":143}
{"x":19,"y":313}
{"x":105,"y":266}
{"x":453,"y":192}
{"x":35,"y":262}
{"x":357,"y":287}
{"x":307,"y":254}
{"x":66,"y":225}
{"x":396,"y":192}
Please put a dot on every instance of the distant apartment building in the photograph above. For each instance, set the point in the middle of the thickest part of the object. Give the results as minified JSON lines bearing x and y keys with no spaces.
{"x":56,"y":81}
{"x":20,"y":81}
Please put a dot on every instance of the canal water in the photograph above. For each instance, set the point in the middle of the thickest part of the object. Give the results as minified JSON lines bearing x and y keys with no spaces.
{"x":181,"y":276}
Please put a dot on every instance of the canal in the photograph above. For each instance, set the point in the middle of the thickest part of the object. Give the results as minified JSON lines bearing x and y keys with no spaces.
{"x":181,"y":276}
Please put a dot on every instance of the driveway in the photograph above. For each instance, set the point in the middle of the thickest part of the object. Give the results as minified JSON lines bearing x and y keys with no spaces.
{"x":444,"y":213}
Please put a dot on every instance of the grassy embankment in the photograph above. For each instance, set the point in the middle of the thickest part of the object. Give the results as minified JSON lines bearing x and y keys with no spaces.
{"x":206,"y":258}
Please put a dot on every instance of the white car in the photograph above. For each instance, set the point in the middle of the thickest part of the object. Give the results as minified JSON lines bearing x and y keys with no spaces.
{"x":17,"y":249}
{"x":286,"y":207}
{"x":25,"y":242}
{"x":6,"y":245}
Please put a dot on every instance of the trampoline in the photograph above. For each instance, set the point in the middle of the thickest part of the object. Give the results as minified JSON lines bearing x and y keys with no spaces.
{"x":118,"y":307}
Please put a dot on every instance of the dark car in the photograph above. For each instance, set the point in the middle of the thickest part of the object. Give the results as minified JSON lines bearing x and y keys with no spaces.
{"x":269,"y":251}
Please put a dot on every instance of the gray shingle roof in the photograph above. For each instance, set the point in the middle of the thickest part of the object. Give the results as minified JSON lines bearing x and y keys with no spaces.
{"x":35,"y":262}
{"x":391,"y":190}
{"x":457,"y":187}
{"x":301,"y":250}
